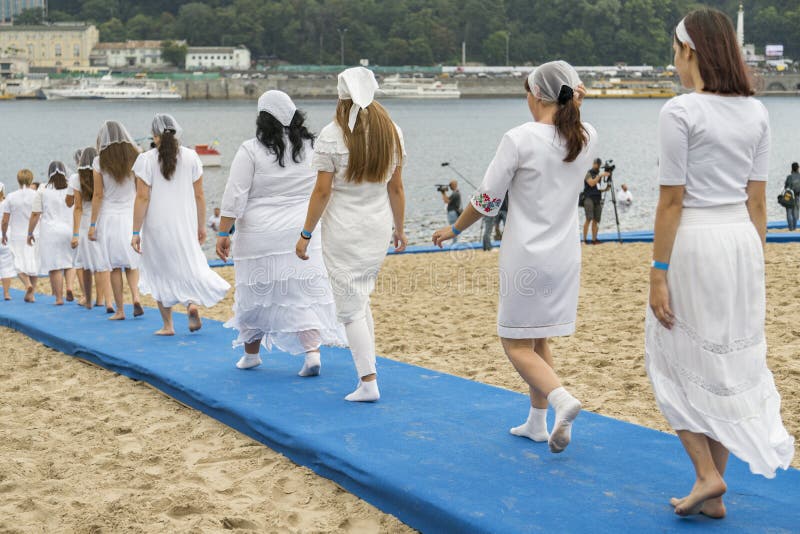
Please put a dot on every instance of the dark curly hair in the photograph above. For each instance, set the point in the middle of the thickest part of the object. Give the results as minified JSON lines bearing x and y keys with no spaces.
{"x":270,"y":132}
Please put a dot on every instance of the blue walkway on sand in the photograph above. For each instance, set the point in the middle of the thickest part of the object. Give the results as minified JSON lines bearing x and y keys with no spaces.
{"x":435,"y":451}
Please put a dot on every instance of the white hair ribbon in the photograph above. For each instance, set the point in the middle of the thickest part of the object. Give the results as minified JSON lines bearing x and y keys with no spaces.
{"x":683,"y":35}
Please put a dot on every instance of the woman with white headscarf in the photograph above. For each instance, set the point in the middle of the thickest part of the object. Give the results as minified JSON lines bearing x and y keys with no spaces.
{"x":360,"y":200}
{"x":280,"y":300}
{"x":7,"y":270}
{"x":540,"y":165}
{"x":112,"y":214}
{"x":56,"y":256}
{"x":169,"y":227}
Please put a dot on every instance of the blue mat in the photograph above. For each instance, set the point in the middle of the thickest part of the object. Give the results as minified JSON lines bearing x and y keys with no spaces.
{"x":435,"y":451}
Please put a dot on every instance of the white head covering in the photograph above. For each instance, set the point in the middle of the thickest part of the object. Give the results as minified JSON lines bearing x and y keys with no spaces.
{"x":163,"y":122}
{"x":554,"y":81}
{"x":113,"y":132}
{"x":683,"y":34}
{"x":87,"y":157}
{"x":77,"y":156}
{"x":2,"y":187}
{"x":359,"y":85}
{"x":56,"y":167}
{"x":279,"y":105}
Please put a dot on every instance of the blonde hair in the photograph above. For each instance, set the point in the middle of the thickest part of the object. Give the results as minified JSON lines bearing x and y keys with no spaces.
{"x":25,"y":177}
{"x":369,"y":163}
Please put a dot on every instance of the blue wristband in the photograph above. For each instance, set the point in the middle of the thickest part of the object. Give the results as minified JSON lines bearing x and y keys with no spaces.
{"x":455,"y":230}
{"x":135,"y":233}
{"x":76,"y":235}
{"x":660,"y":265}
{"x":223,"y":234}
{"x":93,"y":225}
{"x":305,"y":234}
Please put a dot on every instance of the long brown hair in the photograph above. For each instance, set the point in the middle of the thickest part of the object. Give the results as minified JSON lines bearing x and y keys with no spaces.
{"x":720,"y":60}
{"x":373,"y":163}
{"x":117,"y":159}
{"x":86,"y":174}
{"x":168,"y":148}
{"x":567,"y":121}
{"x":58,"y":181}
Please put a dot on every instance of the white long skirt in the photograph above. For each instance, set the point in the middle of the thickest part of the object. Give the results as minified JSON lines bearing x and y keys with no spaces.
{"x":55,"y":250}
{"x":26,"y":257}
{"x":285,"y":302}
{"x":7,"y":269}
{"x":114,"y":231}
{"x":709,"y":372}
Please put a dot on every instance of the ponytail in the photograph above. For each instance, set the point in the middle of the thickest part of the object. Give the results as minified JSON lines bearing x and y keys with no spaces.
{"x":567,"y":121}
{"x":168,"y":153}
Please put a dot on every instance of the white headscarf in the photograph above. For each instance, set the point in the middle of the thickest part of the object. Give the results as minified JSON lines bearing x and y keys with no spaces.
{"x":279,"y":105}
{"x":547,"y":81}
{"x":113,"y":132}
{"x":2,"y":187}
{"x":359,"y":85}
{"x":683,"y":35}
{"x":87,"y":157}
{"x":163,"y":122}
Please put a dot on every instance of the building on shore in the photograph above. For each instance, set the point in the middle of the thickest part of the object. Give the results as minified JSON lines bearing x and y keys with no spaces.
{"x":217,"y":58}
{"x":13,"y":67}
{"x":129,"y":55}
{"x":53,"y":46}
{"x":11,"y":8}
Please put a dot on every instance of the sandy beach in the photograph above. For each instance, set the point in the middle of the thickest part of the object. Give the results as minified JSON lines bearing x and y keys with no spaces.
{"x":86,"y":450}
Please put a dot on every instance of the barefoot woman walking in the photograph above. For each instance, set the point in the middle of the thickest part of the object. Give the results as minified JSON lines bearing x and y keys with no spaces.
{"x":704,"y":332}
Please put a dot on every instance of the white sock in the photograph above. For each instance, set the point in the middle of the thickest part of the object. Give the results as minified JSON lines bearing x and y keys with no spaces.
{"x":365,"y":392}
{"x":535,"y":427}
{"x":362,"y":346}
{"x":312,"y":365}
{"x":248,"y":361}
{"x":567,"y":409}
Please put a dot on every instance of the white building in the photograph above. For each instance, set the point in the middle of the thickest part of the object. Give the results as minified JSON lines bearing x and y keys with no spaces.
{"x":130,"y":54}
{"x":217,"y":58}
{"x":11,"y":8}
{"x":11,"y":67}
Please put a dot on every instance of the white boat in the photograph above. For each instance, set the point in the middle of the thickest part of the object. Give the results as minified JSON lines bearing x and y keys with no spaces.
{"x":108,"y":88}
{"x":397,"y":87}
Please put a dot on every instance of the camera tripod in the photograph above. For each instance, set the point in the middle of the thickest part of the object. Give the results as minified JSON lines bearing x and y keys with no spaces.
{"x":610,"y":183}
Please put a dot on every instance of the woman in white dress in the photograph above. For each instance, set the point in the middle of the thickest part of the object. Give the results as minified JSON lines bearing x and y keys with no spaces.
{"x":358,"y":197}
{"x":705,"y":350}
{"x":7,"y":271}
{"x":16,"y":214}
{"x":540,"y":165}
{"x":71,"y":181}
{"x":280,"y":300}
{"x":56,"y":256}
{"x":169,"y":226}
{"x":112,"y":214}
{"x":88,"y":253}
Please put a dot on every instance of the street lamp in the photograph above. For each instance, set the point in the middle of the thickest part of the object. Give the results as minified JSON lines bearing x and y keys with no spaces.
{"x":341,"y":41}
{"x":508,"y":38}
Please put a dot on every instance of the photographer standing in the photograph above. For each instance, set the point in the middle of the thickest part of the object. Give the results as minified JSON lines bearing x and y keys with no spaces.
{"x":793,"y":183}
{"x":453,"y":203}
{"x":593,"y":199}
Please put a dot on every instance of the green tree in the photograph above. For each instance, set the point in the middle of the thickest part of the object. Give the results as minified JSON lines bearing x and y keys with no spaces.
{"x":141,"y":27}
{"x":101,"y":10}
{"x":112,"y":31}
{"x":494,"y":48}
{"x":174,"y":53}
{"x":419,"y":52}
{"x":197,"y":23}
{"x":30,"y":17}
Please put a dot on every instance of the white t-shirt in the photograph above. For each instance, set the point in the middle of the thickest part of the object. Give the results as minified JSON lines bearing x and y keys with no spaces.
{"x":624,"y":197}
{"x":19,"y":205}
{"x":120,"y":194}
{"x":713,"y":145}
{"x":213,"y":222}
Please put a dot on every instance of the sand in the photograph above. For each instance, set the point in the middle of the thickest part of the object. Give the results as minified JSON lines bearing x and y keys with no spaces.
{"x":87,"y":450}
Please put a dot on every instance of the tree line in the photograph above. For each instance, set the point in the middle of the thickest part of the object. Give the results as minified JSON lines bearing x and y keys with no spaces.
{"x":426,"y":32}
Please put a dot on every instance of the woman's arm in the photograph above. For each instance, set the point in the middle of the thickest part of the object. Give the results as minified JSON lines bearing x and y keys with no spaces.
{"x":224,"y":241}
{"x":757,"y":207}
{"x":200,"y":201}
{"x":668,"y":217}
{"x":77,"y":214}
{"x":32,"y":222}
{"x":140,"y":206}
{"x":397,"y":199}
{"x":4,"y":227}
{"x":467,"y":218}
{"x":316,"y":207}
{"x":97,"y":202}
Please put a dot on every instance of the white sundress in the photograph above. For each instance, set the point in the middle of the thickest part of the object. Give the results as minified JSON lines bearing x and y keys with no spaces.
{"x":115,"y":224}
{"x":7,"y":269}
{"x":55,"y":234}
{"x":18,"y":205}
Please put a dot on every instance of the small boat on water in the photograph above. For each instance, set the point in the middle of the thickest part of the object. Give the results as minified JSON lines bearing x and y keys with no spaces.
{"x":617,"y":88}
{"x":106,"y":88}
{"x":209,"y":156}
{"x":397,"y":87}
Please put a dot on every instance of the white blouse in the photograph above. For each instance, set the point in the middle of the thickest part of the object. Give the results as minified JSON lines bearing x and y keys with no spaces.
{"x":713,"y":145}
{"x":120,"y":194}
{"x":18,"y":205}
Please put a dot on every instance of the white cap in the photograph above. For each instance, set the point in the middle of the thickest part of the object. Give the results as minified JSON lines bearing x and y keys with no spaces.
{"x":359,"y":85}
{"x":279,"y":105}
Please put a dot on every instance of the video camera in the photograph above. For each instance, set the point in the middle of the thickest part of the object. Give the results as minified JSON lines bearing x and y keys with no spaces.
{"x":442,"y":188}
{"x":609,"y":167}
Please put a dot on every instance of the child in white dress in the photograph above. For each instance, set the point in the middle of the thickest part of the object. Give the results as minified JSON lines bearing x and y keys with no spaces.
{"x":56,"y":256}
{"x":7,"y":271}
{"x":169,"y":227}
{"x":16,"y":215}
{"x":360,"y":200}
{"x":112,"y":214}
{"x":540,"y":165}
{"x":280,"y":300}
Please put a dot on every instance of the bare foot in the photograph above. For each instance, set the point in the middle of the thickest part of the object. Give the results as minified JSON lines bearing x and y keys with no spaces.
{"x":81,"y":301}
{"x":6,"y":297}
{"x":29,"y":295}
{"x":701,"y":492}
{"x":195,"y":323}
{"x":165,"y":332}
{"x":70,"y":295}
{"x":137,"y":309}
{"x":117,"y":317}
{"x":713,"y":508}
{"x":59,"y":303}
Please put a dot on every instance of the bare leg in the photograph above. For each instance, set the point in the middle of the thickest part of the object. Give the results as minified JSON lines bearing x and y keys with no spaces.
{"x":532,"y":367}
{"x":81,"y":285}
{"x":69,"y":275}
{"x":594,"y":231}
{"x":585,"y":231}
{"x":714,"y":507}
{"x":85,"y":279}
{"x":104,"y":294}
{"x":6,"y":287}
{"x":195,"y":323}
{"x":116,"y":288}
{"x":708,"y":483}
{"x":251,"y":358}
{"x":166,"y":317}
{"x":29,"y":289}
{"x":133,"y":283}
{"x":57,"y":285}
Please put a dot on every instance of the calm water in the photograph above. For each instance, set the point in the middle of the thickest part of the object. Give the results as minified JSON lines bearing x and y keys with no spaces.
{"x":463,"y":132}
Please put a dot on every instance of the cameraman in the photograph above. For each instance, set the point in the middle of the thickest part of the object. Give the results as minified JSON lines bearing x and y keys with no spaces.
{"x":593,"y":199}
{"x":453,"y":204}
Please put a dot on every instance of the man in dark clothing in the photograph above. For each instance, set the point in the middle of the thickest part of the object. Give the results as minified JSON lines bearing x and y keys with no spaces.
{"x":793,"y":183}
{"x":453,"y":204}
{"x":593,"y":199}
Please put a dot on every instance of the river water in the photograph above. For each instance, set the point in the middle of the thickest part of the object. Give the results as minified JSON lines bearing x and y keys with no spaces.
{"x":462,"y":132}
